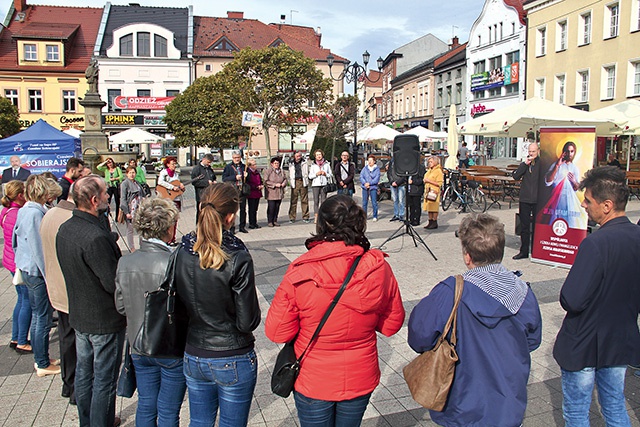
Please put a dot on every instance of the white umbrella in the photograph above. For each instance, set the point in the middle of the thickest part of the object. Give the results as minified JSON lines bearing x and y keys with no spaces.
{"x":377,"y":132}
{"x":426,"y":135}
{"x":625,"y":115}
{"x":527,"y":116}
{"x":73,"y":132}
{"x":306,"y":138}
{"x":135,"y":136}
{"x":452,"y":139}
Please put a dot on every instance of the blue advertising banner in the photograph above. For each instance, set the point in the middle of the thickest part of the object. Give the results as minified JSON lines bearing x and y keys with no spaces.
{"x":41,"y":148}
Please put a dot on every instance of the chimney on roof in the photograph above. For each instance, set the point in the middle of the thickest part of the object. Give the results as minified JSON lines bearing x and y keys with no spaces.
{"x":235,"y":15}
{"x":20,"y":5}
{"x":455,"y":42}
{"x":283,"y":19}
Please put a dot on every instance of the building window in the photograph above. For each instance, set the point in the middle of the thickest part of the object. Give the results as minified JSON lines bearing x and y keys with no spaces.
{"x":448,"y":95}
{"x":30,"y":52}
{"x":126,"y":45}
{"x":458,"y":73}
{"x":511,"y":89}
{"x":634,"y":75}
{"x":35,"y":100}
{"x":609,"y":74}
{"x":459,"y":93}
{"x":144,"y":44}
{"x":439,"y":98}
{"x":173,"y":92}
{"x":160,"y":46}
{"x":12,"y":96}
{"x":512,"y":57}
{"x":207,"y":67}
{"x":479,"y":67}
{"x":479,"y":94}
{"x":449,"y":76}
{"x":561,"y":34}
{"x":541,"y":39}
{"x":560,"y":88}
{"x":582,"y":90}
{"x":635,"y":21}
{"x":496,"y":91}
{"x":440,"y":78}
{"x":584,"y":37}
{"x":69,"y":101}
{"x":540,"y":88}
{"x":495,"y":63}
{"x":53,"y":53}
{"x":111,"y":96}
{"x":612,"y":20}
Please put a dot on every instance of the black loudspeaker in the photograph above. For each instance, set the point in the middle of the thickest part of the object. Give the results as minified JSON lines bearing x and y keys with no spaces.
{"x":406,"y":155}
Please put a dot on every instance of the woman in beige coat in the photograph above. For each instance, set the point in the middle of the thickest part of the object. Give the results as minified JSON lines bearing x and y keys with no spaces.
{"x":274,"y":183}
{"x":433,"y":180}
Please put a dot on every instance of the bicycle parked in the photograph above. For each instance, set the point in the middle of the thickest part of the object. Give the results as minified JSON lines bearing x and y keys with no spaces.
{"x":463,"y":194}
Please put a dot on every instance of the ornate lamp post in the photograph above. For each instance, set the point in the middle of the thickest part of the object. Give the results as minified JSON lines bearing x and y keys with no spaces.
{"x":352,"y":74}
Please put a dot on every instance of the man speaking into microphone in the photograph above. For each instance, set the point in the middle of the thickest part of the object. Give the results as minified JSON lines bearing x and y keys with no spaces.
{"x":529,"y":172}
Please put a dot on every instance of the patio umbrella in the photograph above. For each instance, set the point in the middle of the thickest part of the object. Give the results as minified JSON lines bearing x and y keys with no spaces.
{"x":624,"y":115}
{"x":528,"y":116}
{"x":452,"y":139}
{"x":426,"y":135}
{"x":73,"y":132}
{"x":306,"y":138}
{"x":135,"y":136}
{"x":377,"y":132}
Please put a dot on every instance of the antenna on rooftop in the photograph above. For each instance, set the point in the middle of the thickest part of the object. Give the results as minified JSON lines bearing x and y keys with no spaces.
{"x":291,"y":15}
{"x":453,"y":30}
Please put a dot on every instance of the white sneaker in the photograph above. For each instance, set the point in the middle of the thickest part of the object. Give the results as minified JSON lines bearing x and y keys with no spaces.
{"x":375,"y":219}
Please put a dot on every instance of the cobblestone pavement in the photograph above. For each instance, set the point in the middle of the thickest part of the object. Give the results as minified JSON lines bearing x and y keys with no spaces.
{"x":26,"y":399}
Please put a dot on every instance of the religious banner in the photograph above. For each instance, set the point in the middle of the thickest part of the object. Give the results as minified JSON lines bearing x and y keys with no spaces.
{"x":566,"y":154}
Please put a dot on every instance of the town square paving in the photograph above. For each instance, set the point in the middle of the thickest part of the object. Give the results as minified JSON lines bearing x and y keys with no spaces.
{"x":26,"y":399}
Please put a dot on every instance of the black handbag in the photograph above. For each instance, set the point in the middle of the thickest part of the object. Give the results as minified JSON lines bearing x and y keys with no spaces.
{"x":331,"y":186}
{"x":163,"y":332}
{"x":246,"y":189}
{"x":287,"y":367}
{"x":127,"y":380}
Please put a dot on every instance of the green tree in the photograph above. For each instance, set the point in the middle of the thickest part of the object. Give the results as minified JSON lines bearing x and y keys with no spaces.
{"x":332,"y":128}
{"x":279,"y":83}
{"x":9,"y":116}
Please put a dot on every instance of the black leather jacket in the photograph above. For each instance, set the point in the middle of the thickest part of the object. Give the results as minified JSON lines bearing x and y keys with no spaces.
{"x":222,"y":304}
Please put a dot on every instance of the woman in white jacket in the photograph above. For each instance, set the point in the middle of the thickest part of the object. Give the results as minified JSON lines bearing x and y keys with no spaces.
{"x":319,"y":174}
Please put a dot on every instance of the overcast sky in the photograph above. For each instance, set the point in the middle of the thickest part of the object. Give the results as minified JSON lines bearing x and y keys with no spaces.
{"x":348,"y":27}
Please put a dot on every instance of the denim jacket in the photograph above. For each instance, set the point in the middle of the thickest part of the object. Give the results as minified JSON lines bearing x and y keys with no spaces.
{"x":26,"y":240}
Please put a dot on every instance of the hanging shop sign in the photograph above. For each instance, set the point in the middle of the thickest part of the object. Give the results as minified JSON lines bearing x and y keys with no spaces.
{"x":142,"y":102}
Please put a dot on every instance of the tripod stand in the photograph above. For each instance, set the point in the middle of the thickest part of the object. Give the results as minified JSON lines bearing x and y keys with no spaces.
{"x":407,"y":228}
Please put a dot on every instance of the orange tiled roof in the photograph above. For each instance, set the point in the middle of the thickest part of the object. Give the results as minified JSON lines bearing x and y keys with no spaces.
{"x":52,"y":22}
{"x":374,"y":75}
{"x":450,"y":53}
{"x":517,"y":5}
{"x":247,"y":33}
{"x":305,"y":34}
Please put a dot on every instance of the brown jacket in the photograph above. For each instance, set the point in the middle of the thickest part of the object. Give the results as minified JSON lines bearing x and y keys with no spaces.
{"x":56,"y":286}
{"x":271,"y":177}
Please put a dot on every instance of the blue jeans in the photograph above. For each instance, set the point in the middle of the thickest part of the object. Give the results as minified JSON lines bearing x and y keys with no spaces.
{"x":373,"y":194}
{"x":97,"y":369}
{"x":398,"y":195}
{"x":226,"y":383}
{"x":41,"y":318}
{"x":345,"y":191}
{"x":577,"y":388}
{"x":21,"y":316}
{"x":321,"y":413}
{"x":161,"y":387}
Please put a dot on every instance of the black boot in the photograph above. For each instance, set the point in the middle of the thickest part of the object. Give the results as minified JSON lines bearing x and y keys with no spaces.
{"x":428,"y":226}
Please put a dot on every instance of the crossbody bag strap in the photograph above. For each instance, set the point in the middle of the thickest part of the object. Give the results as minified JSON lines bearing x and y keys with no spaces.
{"x":331,"y":306}
{"x":169,"y":283}
{"x":453,"y":317}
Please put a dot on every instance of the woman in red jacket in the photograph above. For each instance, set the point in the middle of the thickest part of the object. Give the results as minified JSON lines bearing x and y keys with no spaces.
{"x":340,"y":370}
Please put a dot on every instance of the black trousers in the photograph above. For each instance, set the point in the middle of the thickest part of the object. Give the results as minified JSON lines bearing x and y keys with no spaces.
{"x":68,"y":357}
{"x":114,"y":192}
{"x":243,"y":214}
{"x":527,"y":225}
{"x":253,"y":211}
{"x":415,"y":208}
{"x":273,"y":209}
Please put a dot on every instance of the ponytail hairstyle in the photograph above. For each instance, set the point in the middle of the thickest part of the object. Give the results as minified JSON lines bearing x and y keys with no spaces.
{"x":217,"y":201}
{"x":12,"y":190}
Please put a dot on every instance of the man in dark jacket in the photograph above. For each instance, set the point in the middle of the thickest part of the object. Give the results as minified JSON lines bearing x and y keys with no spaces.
{"x":345,"y":171}
{"x":398,"y":192}
{"x":599,"y":336}
{"x":88,"y":256}
{"x":415,"y":195}
{"x":202,"y":176}
{"x":234,"y":173}
{"x":529,"y":172}
{"x":74,"y":169}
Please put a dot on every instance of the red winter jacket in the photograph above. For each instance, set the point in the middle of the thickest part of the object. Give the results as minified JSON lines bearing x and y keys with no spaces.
{"x":343,"y":362}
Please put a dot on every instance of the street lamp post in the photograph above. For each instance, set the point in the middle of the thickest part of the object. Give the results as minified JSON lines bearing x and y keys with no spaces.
{"x":354,"y":73}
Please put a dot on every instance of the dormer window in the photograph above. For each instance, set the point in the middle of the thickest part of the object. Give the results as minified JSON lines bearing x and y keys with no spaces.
{"x":30,"y":52}
{"x":53,"y":53}
{"x":276,"y":43}
{"x":126,"y":45}
{"x":159,"y":46}
{"x":144,"y":44}
{"x":224,"y":44}
{"x":143,"y":41}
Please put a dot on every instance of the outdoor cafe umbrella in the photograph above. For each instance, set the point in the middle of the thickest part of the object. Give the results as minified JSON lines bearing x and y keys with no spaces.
{"x":135,"y":136}
{"x":528,"y":116}
{"x":306,"y":138}
{"x":377,"y":132}
{"x":452,"y":139}
{"x":426,"y":135}
{"x":625,"y":118}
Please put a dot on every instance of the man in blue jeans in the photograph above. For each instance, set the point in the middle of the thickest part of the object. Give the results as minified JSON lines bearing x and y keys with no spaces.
{"x":398,"y":185}
{"x":599,"y":336}
{"x":88,"y":255}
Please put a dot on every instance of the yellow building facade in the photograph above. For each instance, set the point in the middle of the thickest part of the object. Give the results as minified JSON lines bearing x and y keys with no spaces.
{"x":583,"y":54}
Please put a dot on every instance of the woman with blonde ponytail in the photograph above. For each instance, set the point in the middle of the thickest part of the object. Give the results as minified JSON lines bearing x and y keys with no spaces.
{"x":215,"y":281}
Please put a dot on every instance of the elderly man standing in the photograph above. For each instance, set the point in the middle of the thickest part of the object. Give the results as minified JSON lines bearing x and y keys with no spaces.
{"x":345,"y":172}
{"x":599,"y":336}
{"x":234,"y":173}
{"x":88,"y":256}
{"x":529,"y":172}
{"x":202,"y":176}
{"x":15,"y":172}
{"x":299,"y":180}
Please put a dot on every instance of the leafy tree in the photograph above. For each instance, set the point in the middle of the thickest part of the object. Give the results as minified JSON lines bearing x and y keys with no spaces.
{"x":279,"y":83}
{"x":332,"y":128}
{"x":9,"y":116}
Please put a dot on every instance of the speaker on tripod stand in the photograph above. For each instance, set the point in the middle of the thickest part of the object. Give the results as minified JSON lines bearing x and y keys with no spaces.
{"x":406,"y":163}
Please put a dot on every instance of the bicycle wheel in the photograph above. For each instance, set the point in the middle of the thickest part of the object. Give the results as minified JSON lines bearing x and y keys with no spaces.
{"x":446,"y":199}
{"x":476,"y":200}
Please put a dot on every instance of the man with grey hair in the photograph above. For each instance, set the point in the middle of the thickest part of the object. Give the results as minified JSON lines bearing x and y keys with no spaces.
{"x":88,"y":256}
{"x":202,"y":176}
{"x":529,"y":173}
{"x":299,"y":181}
{"x":15,"y":172}
{"x":599,"y":336}
{"x":234,"y":173}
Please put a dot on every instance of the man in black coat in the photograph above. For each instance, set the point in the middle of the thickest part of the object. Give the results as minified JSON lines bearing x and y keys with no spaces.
{"x":599,"y":336}
{"x":74,"y":170}
{"x":234,"y":173}
{"x":529,"y":172}
{"x":344,"y":172}
{"x":15,"y":172}
{"x":398,"y":186}
{"x":202,"y":176}
{"x":88,"y":257}
{"x":415,"y":195}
